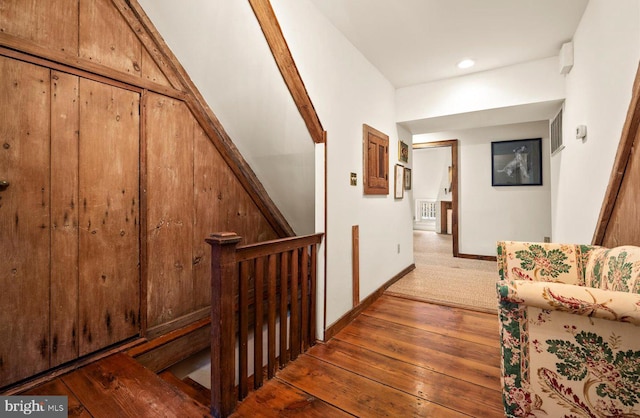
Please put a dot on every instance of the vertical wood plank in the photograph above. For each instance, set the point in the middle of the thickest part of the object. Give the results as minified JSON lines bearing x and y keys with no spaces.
{"x":243,"y":329}
{"x":304,"y":298}
{"x":259,"y":321}
{"x":170,"y":239}
{"x":106,"y":38}
{"x":65,"y":130}
{"x":622,"y":227}
{"x":151,"y":71}
{"x":40,"y":22}
{"x":284,"y":305}
{"x":294,"y":338}
{"x":109,"y":213}
{"x":223,"y":270}
{"x":236,"y":210}
{"x":355,"y":264}
{"x":271,"y":324}
{"x":205,"y":169}
{"x":144,"y":218}
{"x":24,"y":219}
{"x":156,"y":66}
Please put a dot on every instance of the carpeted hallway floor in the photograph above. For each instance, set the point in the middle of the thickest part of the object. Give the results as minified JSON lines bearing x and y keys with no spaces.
{"x":441,"y":278}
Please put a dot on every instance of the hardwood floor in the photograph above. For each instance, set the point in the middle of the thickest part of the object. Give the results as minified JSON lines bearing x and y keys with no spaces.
{"x":399,"y":358}
{"x":118,"y":386}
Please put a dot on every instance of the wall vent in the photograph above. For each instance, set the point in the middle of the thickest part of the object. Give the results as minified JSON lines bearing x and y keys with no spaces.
{"x":556,"y":133}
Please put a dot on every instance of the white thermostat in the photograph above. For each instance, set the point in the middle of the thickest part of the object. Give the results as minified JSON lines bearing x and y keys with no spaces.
{"x":581,"y":131}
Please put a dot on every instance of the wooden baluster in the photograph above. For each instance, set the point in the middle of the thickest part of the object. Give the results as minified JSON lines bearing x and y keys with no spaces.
{"x":304,"y":298}
{"x":313,"y":291}
{"x":295,"y":311}
{"x":243,"y":308}
{"x":284,"y":304}
{"x":271,"y":325}
{"x":223,"y":271}
{"x":259,"y":321}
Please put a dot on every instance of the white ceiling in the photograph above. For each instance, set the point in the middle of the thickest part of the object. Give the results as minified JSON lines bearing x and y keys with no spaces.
{"x":417,"y":41}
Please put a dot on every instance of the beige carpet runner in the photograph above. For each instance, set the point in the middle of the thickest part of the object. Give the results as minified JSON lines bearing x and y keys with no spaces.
{"x":440,"y":278}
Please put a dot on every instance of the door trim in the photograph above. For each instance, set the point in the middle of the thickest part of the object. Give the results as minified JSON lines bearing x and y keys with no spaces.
{"x":453,"y":144}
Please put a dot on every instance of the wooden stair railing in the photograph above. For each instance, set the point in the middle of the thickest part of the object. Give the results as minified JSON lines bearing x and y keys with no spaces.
{"x":281,"y":276}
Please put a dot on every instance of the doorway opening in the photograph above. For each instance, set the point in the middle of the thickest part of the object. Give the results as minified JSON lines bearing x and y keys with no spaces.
{"x":440,"y":209}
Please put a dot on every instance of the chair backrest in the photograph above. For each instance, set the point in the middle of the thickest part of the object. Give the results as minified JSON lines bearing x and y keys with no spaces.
{"x":615,"y":268}
{"x":548,"y":262}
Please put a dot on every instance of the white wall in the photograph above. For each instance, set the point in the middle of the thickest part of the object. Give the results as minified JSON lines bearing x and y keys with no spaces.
{"x":430,"y":173}
{"x":348,"y":91}
{"x":488,"y":214}
{"x":598,"y":92}
{"x":221,"y":46}
{"x":530,"y":82}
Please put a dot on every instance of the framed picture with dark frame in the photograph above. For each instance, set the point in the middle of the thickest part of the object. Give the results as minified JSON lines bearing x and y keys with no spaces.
{"x":403,"y":152}
{"x":517,"y":162}
{"x":407,"y":178}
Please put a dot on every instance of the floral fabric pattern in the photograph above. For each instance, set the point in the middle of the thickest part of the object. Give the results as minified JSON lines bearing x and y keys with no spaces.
{"x":569,"y":350}
{"x":541,"y":262}
{"x":615,"y":269}
{"x":612,"y":376}
{"x":549,"y":262}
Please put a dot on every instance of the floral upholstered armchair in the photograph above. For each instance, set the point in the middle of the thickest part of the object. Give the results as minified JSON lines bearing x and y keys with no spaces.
{"x":569,"y":325}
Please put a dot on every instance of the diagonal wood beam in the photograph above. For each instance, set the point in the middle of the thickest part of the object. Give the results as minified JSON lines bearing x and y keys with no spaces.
{"x":281,"y":53}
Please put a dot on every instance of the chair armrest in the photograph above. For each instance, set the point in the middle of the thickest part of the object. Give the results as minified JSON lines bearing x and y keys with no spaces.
{"x":580,"y":300}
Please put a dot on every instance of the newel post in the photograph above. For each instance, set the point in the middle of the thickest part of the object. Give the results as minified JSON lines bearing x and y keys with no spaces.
{"x":223,"y":272}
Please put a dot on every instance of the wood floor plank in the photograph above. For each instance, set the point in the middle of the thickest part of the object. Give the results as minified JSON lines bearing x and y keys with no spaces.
{"x":118,"y":386}
{"x":472,"y":326}
{"x":355,"y":394}
{"x":472,"y":362}
{"x":439,"y":388}
{"x":57,"y":388}
{"x":278,"y":399}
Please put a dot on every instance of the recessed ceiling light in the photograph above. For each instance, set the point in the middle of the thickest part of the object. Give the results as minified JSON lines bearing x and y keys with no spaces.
{"x":466,"y":63}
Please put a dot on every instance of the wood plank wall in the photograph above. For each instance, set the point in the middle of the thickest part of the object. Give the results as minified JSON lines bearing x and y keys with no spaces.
{"x":129,"y":171}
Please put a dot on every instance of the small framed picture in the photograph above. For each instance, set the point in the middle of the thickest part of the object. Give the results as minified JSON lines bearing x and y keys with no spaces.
{"x":398,"y":190}
{"x":516,"y":163}
{"x":407,"y":178}
{"x":403,"y":152}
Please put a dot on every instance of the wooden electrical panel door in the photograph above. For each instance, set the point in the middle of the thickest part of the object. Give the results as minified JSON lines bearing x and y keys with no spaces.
{"x":108,"y":215}
{"x":376,"y":161}
{"x":24,"y":220}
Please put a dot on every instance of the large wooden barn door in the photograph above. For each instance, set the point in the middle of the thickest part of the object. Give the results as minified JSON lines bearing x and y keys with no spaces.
{"x":69,"y":217}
